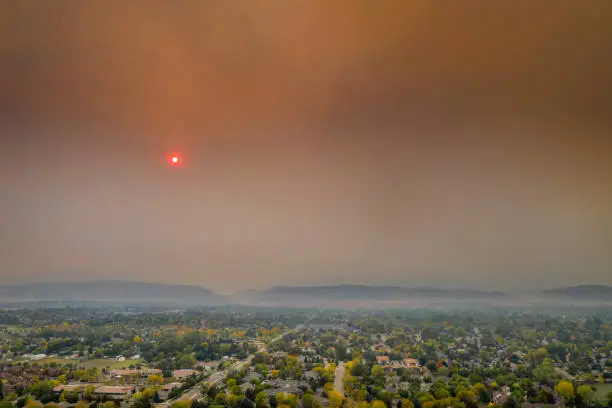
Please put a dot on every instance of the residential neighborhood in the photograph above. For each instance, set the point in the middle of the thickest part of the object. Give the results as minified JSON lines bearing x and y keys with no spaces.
{"x":305,"y":359}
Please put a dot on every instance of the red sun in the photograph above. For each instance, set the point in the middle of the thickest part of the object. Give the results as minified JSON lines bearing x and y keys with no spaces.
{"x":174,"y":160}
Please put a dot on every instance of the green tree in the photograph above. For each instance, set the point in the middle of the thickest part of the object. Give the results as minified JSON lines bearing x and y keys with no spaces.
{"x":108,"y":404}
{"x":33,"y":404}
{"x":586,"y":393}
{"x":181,"y":404}
{"x":378,"y":404}
{"x":6,"y":404}
{"x":484,"y":395}
{"x":406,"y":403}
{"x":467,"y":397}
{"x":186,"y":361}
{"x":88,"y":392}
{"x":261,"y":400}
{"x":308,"y":400}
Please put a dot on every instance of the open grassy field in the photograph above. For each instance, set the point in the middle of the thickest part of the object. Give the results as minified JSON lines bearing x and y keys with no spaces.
{"x":58,"y":361}
{"x":602,"y":391}
{"x":102,"y":362}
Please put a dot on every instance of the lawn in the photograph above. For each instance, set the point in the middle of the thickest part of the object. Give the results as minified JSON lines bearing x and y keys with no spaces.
{"x":58,"y":361}
{"x":103,"y":362}
{"x":602,"y":391}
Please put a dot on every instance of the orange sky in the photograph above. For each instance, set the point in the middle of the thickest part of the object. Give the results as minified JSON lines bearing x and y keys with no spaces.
{"x":372,"y":142}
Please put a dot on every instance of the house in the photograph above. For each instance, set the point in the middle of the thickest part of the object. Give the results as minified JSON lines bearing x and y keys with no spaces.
{"x":311,"y":376}
{"x":392,"y":366}
{"x":164,"y":390}
{"x":279,"y":354}
{"x":74,"y":387}
{"x":183,"y":374}
{"x":143,"y":373}
{"x":411,"y":363}
{"x":35,"y":357}
{"x":382,"y":360}
{"x":208,"y":365}
{"x":114,"y":392}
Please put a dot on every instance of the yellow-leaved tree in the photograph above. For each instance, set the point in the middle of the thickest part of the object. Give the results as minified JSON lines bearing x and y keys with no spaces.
{"x":565,"y":390}
{"x":335,"y":398}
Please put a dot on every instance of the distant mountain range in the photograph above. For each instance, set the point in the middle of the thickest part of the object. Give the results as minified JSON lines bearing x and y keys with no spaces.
{"x":110,"y":290}
{"x":581,"y":292}
{"x":128,"y":292}
{"x":374,"y":292}
{"x":360,"y":295}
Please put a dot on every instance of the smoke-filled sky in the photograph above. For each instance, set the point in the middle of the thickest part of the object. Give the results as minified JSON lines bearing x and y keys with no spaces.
{"x":452,"y":144}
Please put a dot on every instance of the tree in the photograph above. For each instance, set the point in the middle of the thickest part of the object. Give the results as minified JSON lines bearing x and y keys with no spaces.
{"x":181,"y":404}
{"x":406,"y":403}
{"x":467,"y":397}
{"x":245,"y":403}
{"x":565,"y":390}
{"x":33,"y":404}
{"x":51,"y":405}
{"x":88,"y":392}
{"x":378,"y":404}
{"x":1,"y":389}
{"x":359,"y":369}
{"x":511,"y":403}
{"x":6,"y":404}
{"x":186,"y":361}
{"x":108,"y":404}
{"x":335,"y":399}
{"x":136,"y":339}
{"x":586,"y":393}
{"x":261,"y":400}
{"x":308,"y":400}
{"x":484,"y":395}
{"x":155,"y":379}
{"x":81,"y":404}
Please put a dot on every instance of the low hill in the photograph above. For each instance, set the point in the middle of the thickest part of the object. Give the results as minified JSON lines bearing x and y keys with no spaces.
{"x":581,"y":292}
{"x":115,"y":291}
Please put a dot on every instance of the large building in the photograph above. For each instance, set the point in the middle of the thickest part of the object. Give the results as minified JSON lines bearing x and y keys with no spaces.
{"x":114,"y":392}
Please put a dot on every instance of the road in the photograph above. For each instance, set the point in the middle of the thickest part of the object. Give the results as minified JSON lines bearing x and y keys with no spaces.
{"x":339,"y":378}
{"x":219,"y":376}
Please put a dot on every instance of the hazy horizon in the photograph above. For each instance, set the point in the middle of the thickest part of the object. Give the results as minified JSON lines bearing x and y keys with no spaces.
{"x":390,"y":143}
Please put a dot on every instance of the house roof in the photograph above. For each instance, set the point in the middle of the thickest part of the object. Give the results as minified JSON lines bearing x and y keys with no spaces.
{"x":110,"y":389}
{"x":171,"y":386}
{"x":184,"y":372}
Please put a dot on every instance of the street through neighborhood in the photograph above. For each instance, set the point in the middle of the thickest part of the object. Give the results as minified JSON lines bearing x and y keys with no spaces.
{"x":218,"y":377}
{"x":339,"y":378}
